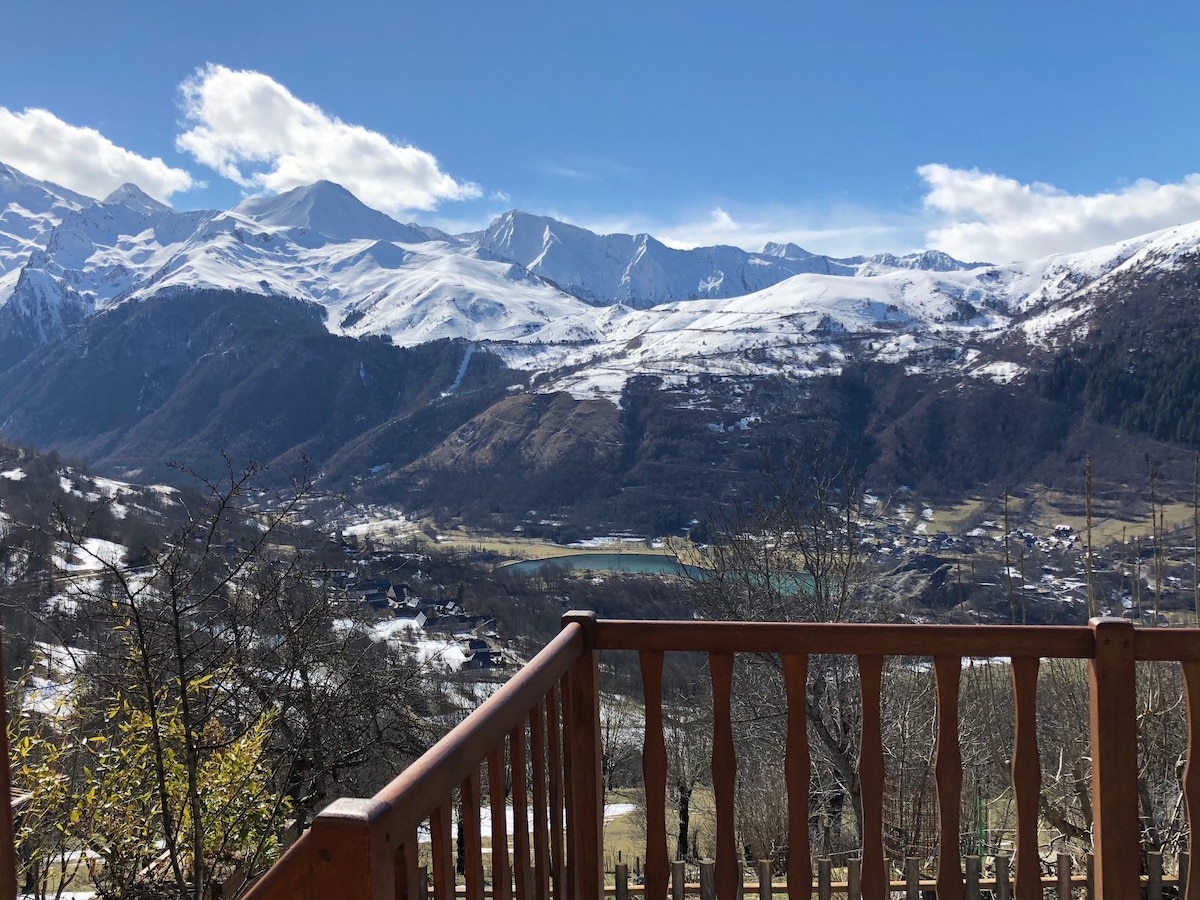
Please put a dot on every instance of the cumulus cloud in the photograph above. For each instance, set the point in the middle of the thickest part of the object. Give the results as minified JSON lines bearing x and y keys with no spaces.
{"x":44,"y":146}
{"x":995,"y":218}
{"x":255,"y":132}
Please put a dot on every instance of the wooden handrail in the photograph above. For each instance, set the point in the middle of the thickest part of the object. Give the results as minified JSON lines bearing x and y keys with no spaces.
{"x":366,"y":847}
{"x":417,"y":791}
{"x":1059,"y":641}
{"x":351,"y":848}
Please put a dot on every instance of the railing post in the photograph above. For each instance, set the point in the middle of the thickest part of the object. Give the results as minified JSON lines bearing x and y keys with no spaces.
{"x":765,"y":889}
{"x":587,"y":854}
{"x":1114,"y":760}
{"x":352,"y":851}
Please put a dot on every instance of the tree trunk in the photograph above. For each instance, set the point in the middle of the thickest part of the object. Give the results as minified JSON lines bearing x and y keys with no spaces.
{"x":685,"y":802}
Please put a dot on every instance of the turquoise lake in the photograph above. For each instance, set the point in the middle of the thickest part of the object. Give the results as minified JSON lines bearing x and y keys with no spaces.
{"x":632,"y":563}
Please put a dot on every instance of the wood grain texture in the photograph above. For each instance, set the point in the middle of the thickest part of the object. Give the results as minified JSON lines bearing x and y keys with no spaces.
{"x":442,"y":849}
{"x":408,"y":871}
{"x":417,"y":791}
{"x":766,"y":890}
{"x":584,"y":730}
{"x":291,"y":877}
{"x":424,"y":789}
{"x":568,"y":787}
{"x":854,"y":879}
{"x":1166,"y":644}
{"x":1191,"y":771}
{"x":1002,"y":879}
{"x":1026,"y":777}
{"x":971,"y":892}
{"x":870,"y":776}
{"x":501,"y":871}
{"x":522,"y":874}
{"x":351,"y":851}
{"x":554,"y":763}
{"x":541,"y":804}
{"x":654,"y":776}
{"x":1066,"y":641}
{"x":1113,"y":714}
{"x":724,"y":776}
{"x":472,"y":836}
{"x":824,"y":879}
{"x":948,"y":776}
{"x":797,"y":775}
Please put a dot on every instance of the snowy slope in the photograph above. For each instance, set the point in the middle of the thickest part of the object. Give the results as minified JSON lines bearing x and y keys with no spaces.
{"x":94,"y":257}
{"x":328,"y":209}
{"x":554,"y":297}
{"x":412,"y":292}
{"x":1057,"y":293}
{"x":639,"y":271}
{"x":373,"y":274}
{"x":29,"y":211}
{"x":806,"y":325}
{"x":955,"y":319}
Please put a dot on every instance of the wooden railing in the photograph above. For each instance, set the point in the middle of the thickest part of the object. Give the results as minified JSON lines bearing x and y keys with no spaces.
{"x":368,"y":848}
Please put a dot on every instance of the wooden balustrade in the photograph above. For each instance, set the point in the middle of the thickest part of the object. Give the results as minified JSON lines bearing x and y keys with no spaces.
{"x":369,"y":848}
{"x":540,"y":732}
{"x":1111,"y":647}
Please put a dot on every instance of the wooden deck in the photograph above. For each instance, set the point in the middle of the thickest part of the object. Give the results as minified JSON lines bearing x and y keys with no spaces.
{"x":547,"y":719}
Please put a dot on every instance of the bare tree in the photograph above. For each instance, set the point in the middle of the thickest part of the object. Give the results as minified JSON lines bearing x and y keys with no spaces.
{"x":792,"y":554}
{"x":232,"y":691}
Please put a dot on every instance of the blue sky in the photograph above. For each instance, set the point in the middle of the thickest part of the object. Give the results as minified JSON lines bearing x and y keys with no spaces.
{"x":991,"y":130}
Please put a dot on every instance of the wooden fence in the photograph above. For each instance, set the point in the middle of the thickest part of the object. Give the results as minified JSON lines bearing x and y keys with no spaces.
{"x":547,"y":716}
{"x":1064,"y":883}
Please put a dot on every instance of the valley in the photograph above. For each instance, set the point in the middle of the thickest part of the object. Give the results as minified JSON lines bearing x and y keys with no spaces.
{"x":559,"y":450}
{"x":536,"y":382}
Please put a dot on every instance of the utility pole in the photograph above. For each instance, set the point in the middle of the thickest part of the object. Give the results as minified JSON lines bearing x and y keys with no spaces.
{"x":1012,"y":606}
{"x":1091,"y":587}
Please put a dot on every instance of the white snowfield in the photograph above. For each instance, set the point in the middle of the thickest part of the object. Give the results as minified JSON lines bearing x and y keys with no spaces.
{"x":517,"y":286}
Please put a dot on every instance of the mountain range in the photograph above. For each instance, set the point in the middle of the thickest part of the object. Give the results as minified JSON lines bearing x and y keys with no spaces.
{"x":552,"y":309}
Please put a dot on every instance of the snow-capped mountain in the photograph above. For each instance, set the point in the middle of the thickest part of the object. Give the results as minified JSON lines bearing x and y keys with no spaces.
{"x":29,"y":211}
{"x":981,"y":321}
{"x":131,"y":334}
{"x":95,"y":256}
{"x":372,"y":274}
{"x":590,"y":310}
{"x":640,"y":271}
{"x":522,"y":280}
{"x":329,"y":210}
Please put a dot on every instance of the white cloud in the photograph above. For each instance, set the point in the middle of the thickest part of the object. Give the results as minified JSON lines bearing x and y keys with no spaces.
{"x":995,"y":218}
{"x":255,"y":132}
{"x":839,"y":233}
{"x":44,"y":146}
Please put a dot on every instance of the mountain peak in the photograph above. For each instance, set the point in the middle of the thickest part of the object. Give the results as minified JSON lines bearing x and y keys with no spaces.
{"x":786,"y":251}
{"x":329,"y":209}
{"x":133,"y":197}
{"x":14,"y":182}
